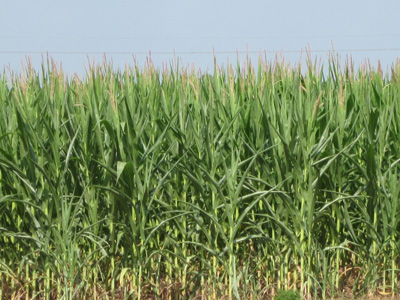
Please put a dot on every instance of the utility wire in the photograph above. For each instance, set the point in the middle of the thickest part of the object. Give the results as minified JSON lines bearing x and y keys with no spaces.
{"x":195,"y":52}
{"x":199,"y":37}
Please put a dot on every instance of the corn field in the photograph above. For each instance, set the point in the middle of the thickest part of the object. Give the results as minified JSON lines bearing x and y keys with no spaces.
{"x":171,"y":183}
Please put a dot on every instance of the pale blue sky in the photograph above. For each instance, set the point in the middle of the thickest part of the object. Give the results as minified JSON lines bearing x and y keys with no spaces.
{"x":72,"y":30}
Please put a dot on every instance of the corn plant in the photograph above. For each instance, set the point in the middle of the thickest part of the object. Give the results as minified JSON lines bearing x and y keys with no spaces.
{"x":177,"y":184}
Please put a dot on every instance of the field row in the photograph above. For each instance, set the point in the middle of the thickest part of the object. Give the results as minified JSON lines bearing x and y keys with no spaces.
{"x":174,"y":184}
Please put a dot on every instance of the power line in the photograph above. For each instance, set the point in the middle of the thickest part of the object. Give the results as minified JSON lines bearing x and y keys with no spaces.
{"x":199,"y":37}
{"x":195,"y":52}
